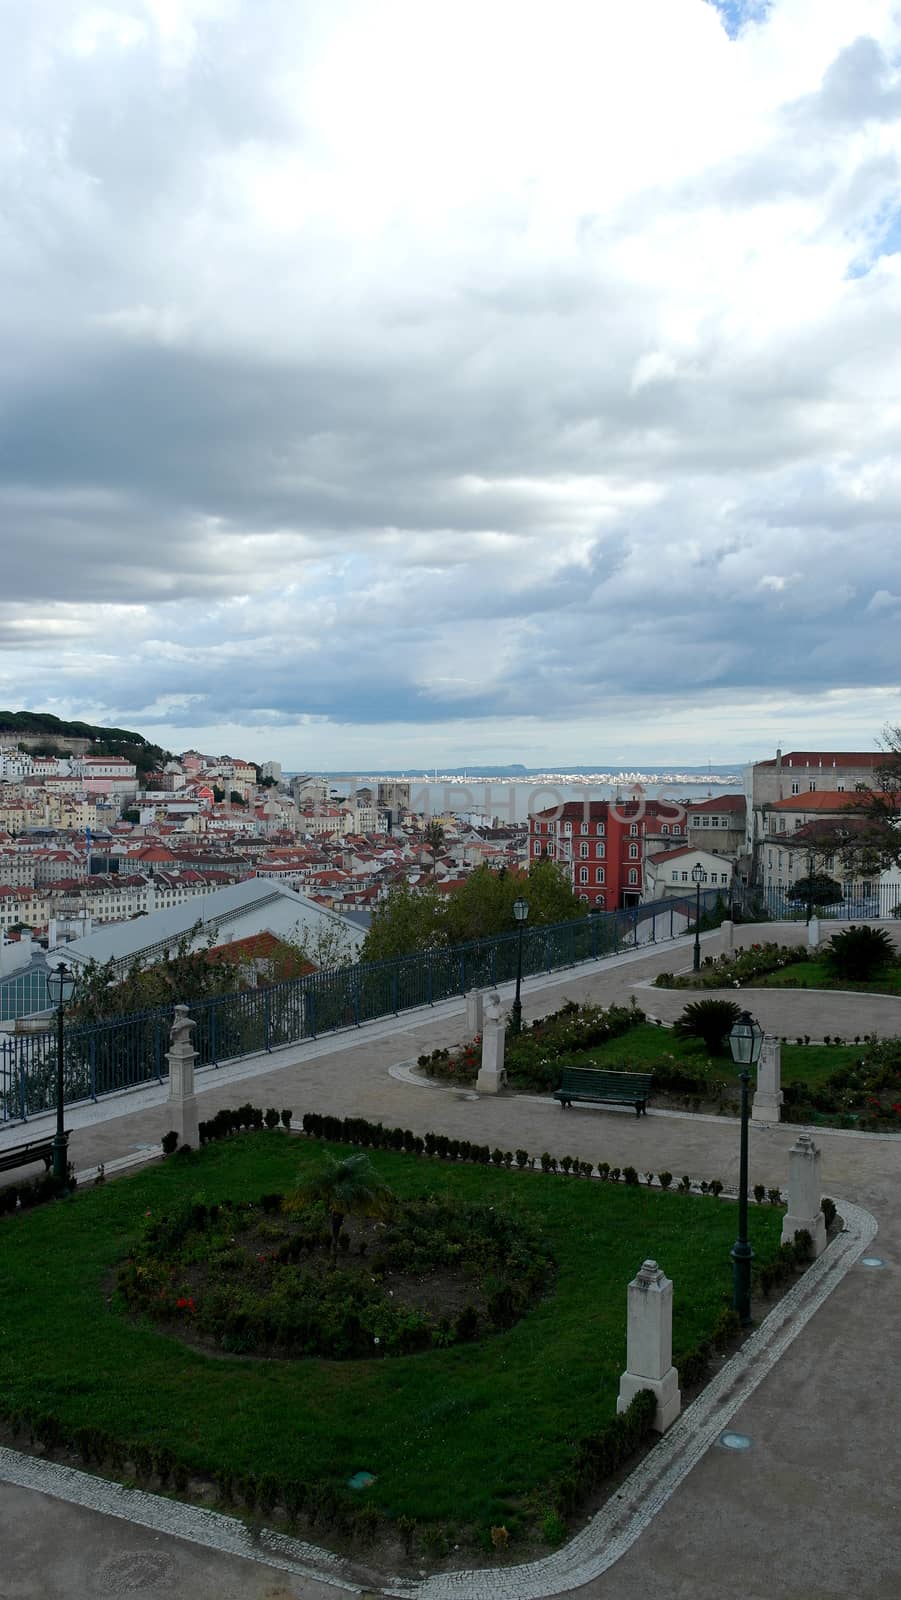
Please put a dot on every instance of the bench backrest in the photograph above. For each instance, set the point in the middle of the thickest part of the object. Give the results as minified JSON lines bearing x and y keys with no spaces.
{"x":600,"y":1081}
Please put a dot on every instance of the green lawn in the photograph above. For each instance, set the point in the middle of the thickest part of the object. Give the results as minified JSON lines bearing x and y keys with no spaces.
{"x":815,"y":975}
{"x":643,"y":1046}
{"x":467,"y":1434}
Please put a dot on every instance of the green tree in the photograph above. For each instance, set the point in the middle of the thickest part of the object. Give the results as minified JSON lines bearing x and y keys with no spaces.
{"x":182,"y":976}
{"x":414,"y":918}
{"x":409,"y":918}
{"x":818,"y":889}
{"x":434,"y":836}
{"x":860,"y":953}
{"x":349,"y":1186}
{"x":709,"y":1021}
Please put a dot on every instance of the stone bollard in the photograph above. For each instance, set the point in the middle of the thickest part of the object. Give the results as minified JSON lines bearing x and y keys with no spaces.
{"x":473,"y":1013}
{"x":767,"y":1103}
{"x":492,"y":1077}
{"x":649,"y":1345}
{"x":181,"y":1056}
{"x":804,"y":1209}
{"x":813,"y":933}
{"x":727,"y":934}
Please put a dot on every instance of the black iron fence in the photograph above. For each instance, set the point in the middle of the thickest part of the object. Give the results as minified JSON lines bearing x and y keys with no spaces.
{"x":124,"y":1052}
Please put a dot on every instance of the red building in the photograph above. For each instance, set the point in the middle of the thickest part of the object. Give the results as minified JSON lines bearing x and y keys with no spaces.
{"x":603,"y":843}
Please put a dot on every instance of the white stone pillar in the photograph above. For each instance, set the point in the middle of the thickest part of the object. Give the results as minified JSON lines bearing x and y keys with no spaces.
{"x":804,"y":1209}
{"x":181,"y":1057}
{"x":473,"y":1013}
{"x":767,"y":1103}
{"x":649,"y":1345}
{"x":492,"y":1076}
{"x":727,"y":935}
{"x":813,"y":933}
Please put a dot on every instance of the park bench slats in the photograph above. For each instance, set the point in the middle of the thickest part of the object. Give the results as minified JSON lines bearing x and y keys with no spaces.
{"x":22,"y":1155}
{"x":613,"y":1088}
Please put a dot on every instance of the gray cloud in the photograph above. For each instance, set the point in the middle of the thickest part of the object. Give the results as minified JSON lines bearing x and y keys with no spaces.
{"x":284,"y":434}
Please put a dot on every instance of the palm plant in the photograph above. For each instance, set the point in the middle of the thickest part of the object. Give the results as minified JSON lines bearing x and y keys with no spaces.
{"x":349,"y":1186}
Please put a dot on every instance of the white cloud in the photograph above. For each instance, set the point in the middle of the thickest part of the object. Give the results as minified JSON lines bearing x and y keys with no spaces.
{"x":364,"y":360}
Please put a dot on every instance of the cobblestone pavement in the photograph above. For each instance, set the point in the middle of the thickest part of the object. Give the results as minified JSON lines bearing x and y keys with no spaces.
{"x":812,"y":1510}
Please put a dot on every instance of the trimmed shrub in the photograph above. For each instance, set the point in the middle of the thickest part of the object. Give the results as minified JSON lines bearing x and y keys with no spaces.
{"x":707,"y":1020}
{"x":859,"y":953}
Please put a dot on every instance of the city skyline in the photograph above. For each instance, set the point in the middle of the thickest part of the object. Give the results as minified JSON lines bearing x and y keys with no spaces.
{"x":389,"y":387}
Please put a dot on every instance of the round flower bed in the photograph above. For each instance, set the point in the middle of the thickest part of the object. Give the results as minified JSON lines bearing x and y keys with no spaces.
{"x":259,"y":1280}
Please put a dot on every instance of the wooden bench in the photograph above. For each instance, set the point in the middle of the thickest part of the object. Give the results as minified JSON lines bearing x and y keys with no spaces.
{"x":22,"y":1155}
{"x":614,"y":1088}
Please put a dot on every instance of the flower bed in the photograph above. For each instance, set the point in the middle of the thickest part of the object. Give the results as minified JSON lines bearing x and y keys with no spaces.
{"x":535,"y":1057}
{"x":260,"y":1279}
{"x":733,"y":972}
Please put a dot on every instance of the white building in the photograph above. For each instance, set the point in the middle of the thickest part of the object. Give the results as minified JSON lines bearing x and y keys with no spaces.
{"x":243,"y":909}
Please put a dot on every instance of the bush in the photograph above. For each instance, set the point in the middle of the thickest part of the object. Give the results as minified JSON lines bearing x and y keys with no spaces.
{"x":859,"y":953}
{"x":170,"y":1142}
{"x":707,"y":1020}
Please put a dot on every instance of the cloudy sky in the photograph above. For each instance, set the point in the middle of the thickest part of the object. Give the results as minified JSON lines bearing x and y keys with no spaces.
{"x":393,"y":382}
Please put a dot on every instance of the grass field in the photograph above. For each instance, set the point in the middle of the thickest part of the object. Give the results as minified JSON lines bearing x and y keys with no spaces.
{"x":469,"y":1434}
{"x":645,"y":1044}
{"x":815,"y":975}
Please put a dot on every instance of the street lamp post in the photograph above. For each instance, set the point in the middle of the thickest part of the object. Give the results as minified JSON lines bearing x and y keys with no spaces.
{"x":745,"y":1041}
{"x":697,"y":873}
{"x":520,"y":912}
{"x":60,"y":987}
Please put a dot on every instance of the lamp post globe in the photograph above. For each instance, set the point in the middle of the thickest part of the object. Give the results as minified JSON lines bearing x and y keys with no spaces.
{"x":745,"y":1042}
{"x":698,"y":874}
{"x":60,"y":988}
{"x":520,"y":912}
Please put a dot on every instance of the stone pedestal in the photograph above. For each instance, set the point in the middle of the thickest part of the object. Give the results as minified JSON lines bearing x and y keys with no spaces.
{"x":492,"y":1076}
{"x":767,"y":1102}
{"x":649,"y":1345}
{"x":813,"y":933}
{"x":473,"y":1013}
{"x":727,"y":937}
{"x":804,"y":1194}
{"x":181,"y":1055}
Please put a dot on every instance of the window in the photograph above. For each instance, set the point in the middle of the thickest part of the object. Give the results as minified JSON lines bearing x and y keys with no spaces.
{"x":724,"y":877}
{"x":665,"y":828}
{"x":685,"y":877}
{"x":633,"y":875}
{"x":599,"y":875}
{"x":705,"y":822}
{"x":633,"y":829}
{"x":675,"y":874}
{"x":600,"y":850}
{"x":677,"y":827}
{"x":537,"y":849}
{"x":600,"y":827}
{"x":812,"y":785}
{"x":633,"y":852}
{"x":796,"y":787}
{"x":584,"y":899}
{"x":781,"y":824}
{"x":583,"y":850}
{"x":583,"y":874}
{"x":567,"y":827}
{"x":583,"y":827}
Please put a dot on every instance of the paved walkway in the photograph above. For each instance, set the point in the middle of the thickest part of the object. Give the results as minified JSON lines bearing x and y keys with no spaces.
{"x":811,"y":1510}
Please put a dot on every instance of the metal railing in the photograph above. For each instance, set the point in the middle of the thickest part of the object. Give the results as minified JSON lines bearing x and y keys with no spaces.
{"x":861,"y":903}
{"x":127,"y":1051}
